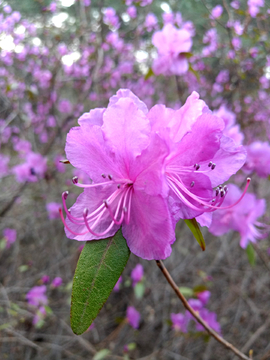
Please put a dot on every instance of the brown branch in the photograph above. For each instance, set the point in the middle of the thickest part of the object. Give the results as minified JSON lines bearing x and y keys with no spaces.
{"x":211,"y":332}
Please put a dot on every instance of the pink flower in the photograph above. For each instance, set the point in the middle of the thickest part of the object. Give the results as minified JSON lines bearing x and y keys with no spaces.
{"x":132,"y":11}
{"x":64,"y":106}
{"x":231,"y":129}
{"x":216,"y":12}
{"x":204,"y":296}
{"x":32,"y":170}
{"x":4,"y":160}
{"x":53,"y":210}
{"x":137,"y":274}
{"x":258,"y":159}
{"x":39,"y":316}
{"x":171,"y":43}
{"x":133,"y":317}
{"x":241,"y":218}
{"x":254,"y":7}
{"x":57,"y":282}
{"x":10,"y":236}
{"x":36,"y":296}
{"x":210,"y":318}
{"x":192,"y":171}
{"x":117,"y":150}
{"x":180,"y":322}
{"x":117,"y":285}
{"x":45,"y":279}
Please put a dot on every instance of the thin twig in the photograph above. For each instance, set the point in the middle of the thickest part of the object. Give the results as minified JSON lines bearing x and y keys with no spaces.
{"x":195,"y":315}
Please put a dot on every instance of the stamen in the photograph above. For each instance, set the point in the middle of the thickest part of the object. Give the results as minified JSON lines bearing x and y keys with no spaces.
{"x":75,"y":179}
{"x":197,"y":167}
{"x":192,"y":183}
{"x":217,"y":192}
{"x":110,"y":176}
{"x":103,"y":175}
{"x":118,"y":186}
{"x":210,"y":164}
{"x":64,"y":161}
{"x":65,"y":194}
{"x":213,"y":166}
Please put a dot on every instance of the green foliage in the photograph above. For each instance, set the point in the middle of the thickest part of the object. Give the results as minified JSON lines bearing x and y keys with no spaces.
{"x":186,"y":291}
{"x":196,"y":231}
{"x":99,"y":267}
{"x":139,"y":290}
{"x":251,"y":254}
{"x":100,"y":355}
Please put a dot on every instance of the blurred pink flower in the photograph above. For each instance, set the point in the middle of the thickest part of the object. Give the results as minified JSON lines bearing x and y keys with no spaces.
{"x":254,"y":7}
{"x":10,"y":235}
{"x":132,"y":11}
{"x":36,"y":296}
{"x":137,"y":274}
{"x":57,"y":282}
{"x":210,"y":318}
{"x":4,"y":160}
{"x":241,"y":218}
{"x":204,"y":296}
{"x":171,"y":44}
{"x":45,"y":279}
{"x":216,"y":12}
{"x":32,"y":170}
{"x":40,"y":315}
{"x":64,"y":106}
{"x":180,"y":322}
{"x":258,"y":159}
{"x":117,"y":285}
{"x":133,"y":317}
{"x":53,"y":210}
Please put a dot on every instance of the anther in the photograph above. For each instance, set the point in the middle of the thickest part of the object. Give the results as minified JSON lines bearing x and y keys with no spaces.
{"x":213,"y":166}
{"x":217,"y":192}
{"x":32,"y":171}
{"x":103,"y":175}
{"x":64,"y":161}
{"x":210,"y":164}
{"x":222,"y":193}
{"x":110,"y":177}
{"x":197,"y":167}
{"x":225,"y":188}
{"x":65,"y":195}
{"x":106,"y":203}
{"x":75,"y":180}
{"x":192,"y":183}
{"x":220,"y":187}
{"x":124,"y":209}
{"x":85,"y":212}
{"x":118,"y":186}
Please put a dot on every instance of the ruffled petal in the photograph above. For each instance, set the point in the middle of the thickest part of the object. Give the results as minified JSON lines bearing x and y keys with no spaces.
{"x":126,"y":131}
{"x":86,"y":150}
{"x":150,"y":232}
{"x":148,"y":168}
{"x":94,"y":117}
{"x":228,"y":159}
{"x":126,"y":93}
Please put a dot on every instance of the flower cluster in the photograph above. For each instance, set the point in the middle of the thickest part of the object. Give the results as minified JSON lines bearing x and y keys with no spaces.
{"x":148,"y":170}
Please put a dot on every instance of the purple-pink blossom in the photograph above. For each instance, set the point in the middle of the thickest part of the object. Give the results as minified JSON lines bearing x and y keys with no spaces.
{"x":57,"y":282}
{"x":179,"y":322}
{"x":53,"y":210}
{"x":241,"y":217}
{"x":171,"y":44}
{"x":10,"y":235}
{"x":133,"y":317}
{"x":216,"y":12}
{"x":137,"y":274}
{"x":258,"y":159}
{"x":37,"y":296}
{"x":124,"y":159}
{"x":32,"y":169}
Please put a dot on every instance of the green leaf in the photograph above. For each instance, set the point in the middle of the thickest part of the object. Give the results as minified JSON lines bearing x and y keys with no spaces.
{"x":139,"y":290}
{"x":100,"y":355}
{"x":196,"y":231}
{"x":149,"y":74}
{"x":188,"y":55}
{"x":99,"y":267}
{"x":251,"y":254}
{"x":194,"y":72}
{"x":186,"y":291}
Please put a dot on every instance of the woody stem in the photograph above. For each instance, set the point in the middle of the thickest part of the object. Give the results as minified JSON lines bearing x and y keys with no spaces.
{"x":211,"y":332}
